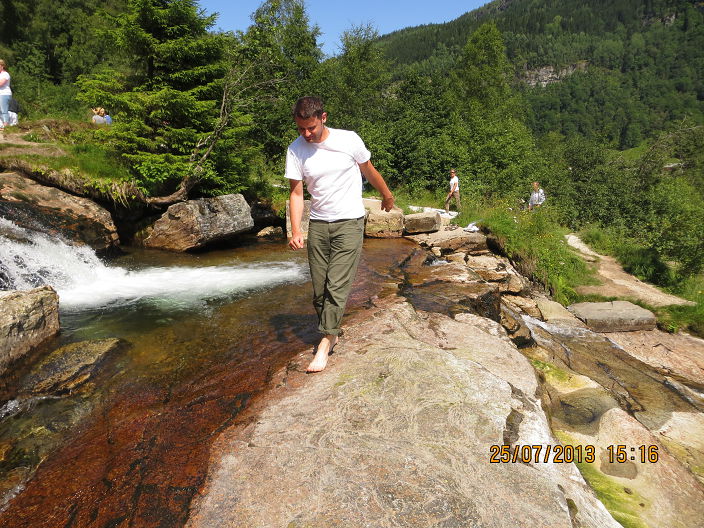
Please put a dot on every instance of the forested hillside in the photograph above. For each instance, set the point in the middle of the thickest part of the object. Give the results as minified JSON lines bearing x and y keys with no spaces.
{"x":645,"y":61}
{"x":202,"y":113}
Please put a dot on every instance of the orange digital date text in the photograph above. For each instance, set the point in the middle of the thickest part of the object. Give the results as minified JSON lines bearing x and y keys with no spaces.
{"x":538,"y":453}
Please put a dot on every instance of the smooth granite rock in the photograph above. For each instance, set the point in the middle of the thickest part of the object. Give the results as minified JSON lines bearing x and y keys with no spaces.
{"x":27,"y":319}
{"x":614,"y":316}
{"x":196,"y":223}
{"x":397,"y":431}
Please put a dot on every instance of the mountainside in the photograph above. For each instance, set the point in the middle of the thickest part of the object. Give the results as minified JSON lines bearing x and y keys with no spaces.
{"x":645,"y":61}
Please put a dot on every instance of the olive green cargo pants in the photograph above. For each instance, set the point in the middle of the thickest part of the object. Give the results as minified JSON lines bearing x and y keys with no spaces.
{"x":334,"y":249}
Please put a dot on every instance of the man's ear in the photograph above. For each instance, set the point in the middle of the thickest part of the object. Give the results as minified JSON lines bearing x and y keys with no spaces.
{"x":324,"y":117}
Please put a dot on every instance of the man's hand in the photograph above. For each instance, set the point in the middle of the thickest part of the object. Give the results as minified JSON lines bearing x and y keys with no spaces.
{"x":387,"y":202}
{"x":296,"y":242}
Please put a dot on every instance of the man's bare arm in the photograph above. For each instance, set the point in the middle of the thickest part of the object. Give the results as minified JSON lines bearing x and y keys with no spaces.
{"x":372,"y":175}
{"x":296,"y":213}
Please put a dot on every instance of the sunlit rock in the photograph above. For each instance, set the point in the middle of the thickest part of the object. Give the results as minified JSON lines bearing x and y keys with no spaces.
{"x":197,"y":223}
{"x":27,"y":319}
{"x":31,"y":205}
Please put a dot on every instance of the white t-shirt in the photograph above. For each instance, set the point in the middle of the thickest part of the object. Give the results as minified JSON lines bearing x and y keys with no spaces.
{"x":455,"y":180}
{"x":5,"y":88}
{"x":331,"y":173}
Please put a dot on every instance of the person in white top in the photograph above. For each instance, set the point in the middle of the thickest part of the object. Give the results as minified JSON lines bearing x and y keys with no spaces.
{"x":5,"y":95}
{"x":537,"y":197}
{"x":454,"y":191}
{"x":330,"y":162}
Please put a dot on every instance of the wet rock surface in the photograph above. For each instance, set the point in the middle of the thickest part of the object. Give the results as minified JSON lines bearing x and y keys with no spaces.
{"x":68,"y":367}
{"x":196,"y":223}
{"x":397,"y":432}
{"x":614,"y":316}
{"x":27,"y":319}
{"x":601,"y":396}
{"x":34,"y":206}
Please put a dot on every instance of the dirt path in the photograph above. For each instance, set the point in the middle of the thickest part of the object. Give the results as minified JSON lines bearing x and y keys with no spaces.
{"x":615,"y":282}
{"x":21,"y":146}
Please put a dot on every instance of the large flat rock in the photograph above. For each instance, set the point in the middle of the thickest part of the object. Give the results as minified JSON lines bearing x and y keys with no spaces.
{"x":397,"y":431}
{"x":452,"y":238}
{"x":380,"y":223}
{"x":27,"y":319}
{"x":614,"y":316}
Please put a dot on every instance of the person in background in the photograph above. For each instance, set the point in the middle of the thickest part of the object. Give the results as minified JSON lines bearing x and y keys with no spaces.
{"x":104,"y":115}
{"x":5,"y":95}
{"x":97,"y":119}
{"x":454,"y":191}
{"x":331,"y":163}
{"x":537,"y":197}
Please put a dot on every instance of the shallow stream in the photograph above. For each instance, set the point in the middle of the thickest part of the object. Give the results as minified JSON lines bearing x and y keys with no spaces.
{"x":205,"y":334}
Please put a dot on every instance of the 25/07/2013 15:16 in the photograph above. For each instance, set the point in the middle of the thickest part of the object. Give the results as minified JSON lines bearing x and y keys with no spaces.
{"x":559,"y":454}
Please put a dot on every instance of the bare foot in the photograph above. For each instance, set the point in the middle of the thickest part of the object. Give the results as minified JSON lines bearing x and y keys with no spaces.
{"x":320,"y":360}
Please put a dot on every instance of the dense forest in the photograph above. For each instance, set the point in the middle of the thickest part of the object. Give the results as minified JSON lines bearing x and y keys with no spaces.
{"x":198,"y":112}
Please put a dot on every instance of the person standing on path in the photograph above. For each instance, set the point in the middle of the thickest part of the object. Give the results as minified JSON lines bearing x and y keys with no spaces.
{"x":5,"y":96}
{"x":454,"y":191}
{"x":537,"y":196}
{"x":331,"y":162}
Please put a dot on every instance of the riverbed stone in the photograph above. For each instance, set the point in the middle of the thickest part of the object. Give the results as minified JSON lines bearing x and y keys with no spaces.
{"x":27,"y":319}
{"x":272,"y":232}
{"x":380,"y":223}
{"x":41,"y":208}
{"x":68,"y":367}
{"x":397,"y":431}
{"x":196,"y":223}
{"x":422,"y":222}
{"x":452,"y":238}
{"x":614,"y":316}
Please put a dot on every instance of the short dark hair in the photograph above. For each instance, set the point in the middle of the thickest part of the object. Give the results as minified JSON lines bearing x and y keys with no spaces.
{"x":307,"y":107}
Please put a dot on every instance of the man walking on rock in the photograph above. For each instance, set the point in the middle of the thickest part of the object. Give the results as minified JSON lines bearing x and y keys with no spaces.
{"x":331,"y":163}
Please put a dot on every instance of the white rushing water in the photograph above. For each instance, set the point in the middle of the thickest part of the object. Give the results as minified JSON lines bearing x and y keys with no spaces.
{"x":29,"y":259}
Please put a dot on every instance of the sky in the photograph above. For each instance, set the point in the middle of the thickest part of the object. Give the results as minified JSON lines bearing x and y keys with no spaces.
{"x":334,"y":17}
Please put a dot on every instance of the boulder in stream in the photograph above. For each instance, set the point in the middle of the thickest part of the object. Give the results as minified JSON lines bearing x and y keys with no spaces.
{"x":422,"y":222}
{"x":27,"y":319}
{"x":196,"y":223}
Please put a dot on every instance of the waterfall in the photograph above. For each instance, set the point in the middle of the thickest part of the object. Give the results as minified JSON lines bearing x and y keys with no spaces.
{"x":29,"y":259}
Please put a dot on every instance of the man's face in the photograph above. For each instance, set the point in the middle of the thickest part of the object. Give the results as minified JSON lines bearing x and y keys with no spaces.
{"x":452,"y":174}
{"x":312,"y":128}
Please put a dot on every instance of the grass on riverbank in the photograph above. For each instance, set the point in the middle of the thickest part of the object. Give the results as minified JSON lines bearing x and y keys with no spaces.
{"x":535,"y":242}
